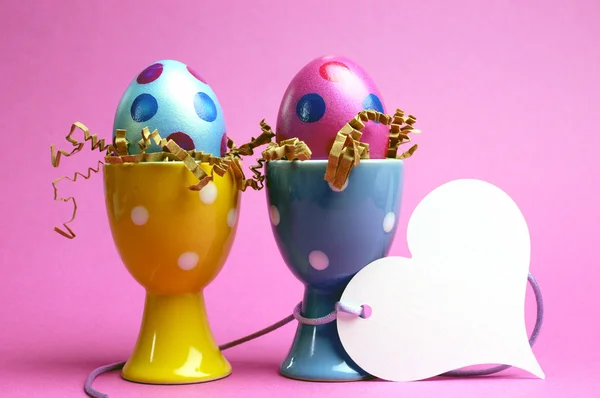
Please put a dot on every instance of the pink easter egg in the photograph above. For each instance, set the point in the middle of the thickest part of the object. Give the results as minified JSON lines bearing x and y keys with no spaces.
{"x":326,"y":94}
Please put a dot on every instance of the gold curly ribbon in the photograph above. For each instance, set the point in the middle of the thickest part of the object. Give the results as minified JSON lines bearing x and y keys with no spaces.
{"x":96,"y":143}
{"x":256,"y":182}
{"x":291,"y":149}
{"x":400,"y":127}
{"x":171,"y":151}
{"x":346,"y":153}
{"x":68,"y":232}
{"x":347,"y":150}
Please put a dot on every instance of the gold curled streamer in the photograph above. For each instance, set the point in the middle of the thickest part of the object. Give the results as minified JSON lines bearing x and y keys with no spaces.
{"x":400,"y":129}
{"x":266,"y":136}
{"x":121,"y":142}
{"x":118,"y":153}
{"x":57,"y":154}
{"x":96,"y":143}
{"x":291,"y":149}
{"x":69,"y":234}
{"x":255,"y":182}
{"x":347,"y":150}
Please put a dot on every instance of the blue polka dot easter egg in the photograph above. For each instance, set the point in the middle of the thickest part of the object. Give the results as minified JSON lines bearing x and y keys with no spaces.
{"x":174,"y":99}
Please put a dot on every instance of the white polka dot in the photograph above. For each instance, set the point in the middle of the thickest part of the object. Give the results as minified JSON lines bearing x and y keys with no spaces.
{"x":274,"y":215}
{"x":388,"y":222}
{"x":139,"y":215}
{"x":318,"y":260}
{"x":231,"y":217}
{"x":187,"y":261}
{"x":208,"y":194}
{"x":334,"y":189}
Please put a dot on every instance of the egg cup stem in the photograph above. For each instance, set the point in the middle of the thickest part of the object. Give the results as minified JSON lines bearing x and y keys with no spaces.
{"x":317,"y":353}
{"x":175,"y":344}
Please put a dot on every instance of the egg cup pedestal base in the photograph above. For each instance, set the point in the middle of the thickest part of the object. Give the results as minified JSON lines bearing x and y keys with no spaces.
{"x":317,"y":353}
{"x":175,"y":344}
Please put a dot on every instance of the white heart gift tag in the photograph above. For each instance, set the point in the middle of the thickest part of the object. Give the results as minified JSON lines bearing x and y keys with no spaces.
{"x":459,"y":301}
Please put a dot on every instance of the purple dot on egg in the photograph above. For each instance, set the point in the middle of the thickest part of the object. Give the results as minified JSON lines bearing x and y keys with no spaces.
{"x":205,"y":107}
{"x":150,"y":74}
{"x":310,"y":108}
{"x":183,"y":140}
{"x":224,"y":148}
{"x":196,"y":75}
{"x":334,"y":71}
{"x":144,"y":106}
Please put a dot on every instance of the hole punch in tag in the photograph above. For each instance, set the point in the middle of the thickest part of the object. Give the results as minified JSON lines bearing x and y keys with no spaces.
{"x":458,"y":302}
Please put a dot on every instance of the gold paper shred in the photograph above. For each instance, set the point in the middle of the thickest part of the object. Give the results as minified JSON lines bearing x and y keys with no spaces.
{"x":347,"y":162}
{"x":202,"y":182}
{"x":408,"y":153}
{"x":96,"y":143}
{"x":265,"y":137}
{"x":147,"y":138}
{"x":348,"y":129}
{"x":258,"y":177}
{"x":364,"y":150}
{"x":399,"y":113}
{"x":129,"y":158}
{"x":121,"y":142}
{"x":291,"y":149}
{"x":391,"y":151}
{"x":384,"y":119}
{"x":355,"y":124}
{"x":154,"y":157}
{"x":372,"y":115}
{"x":67,"y":232}
{"x":334,"y":156}
{"x":221,"y":168}
{"x":230,"y":144}
{"x":345,"y":152}
{"x":352,"y":153}
{"x":118,"y":153}
{"x":303,"y":152}
{"x":400,"y":129}
{"x":275,"y":153}
{"x":356,"y":135}
{"x":113,"y":160}
{"x":238,"y":174}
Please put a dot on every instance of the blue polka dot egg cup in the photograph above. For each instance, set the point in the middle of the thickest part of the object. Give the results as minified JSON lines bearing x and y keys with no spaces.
{"x":325,"y":236}
{"x":331,"y":218}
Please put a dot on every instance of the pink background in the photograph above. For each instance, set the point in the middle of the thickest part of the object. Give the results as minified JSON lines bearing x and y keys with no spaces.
{"x":505,"y":91}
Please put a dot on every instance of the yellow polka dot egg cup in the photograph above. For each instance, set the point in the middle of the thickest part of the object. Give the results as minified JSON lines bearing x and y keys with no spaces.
{"x":174,"y":241}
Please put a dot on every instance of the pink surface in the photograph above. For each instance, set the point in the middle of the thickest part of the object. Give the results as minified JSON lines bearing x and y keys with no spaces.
{"x":504,"y":91}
